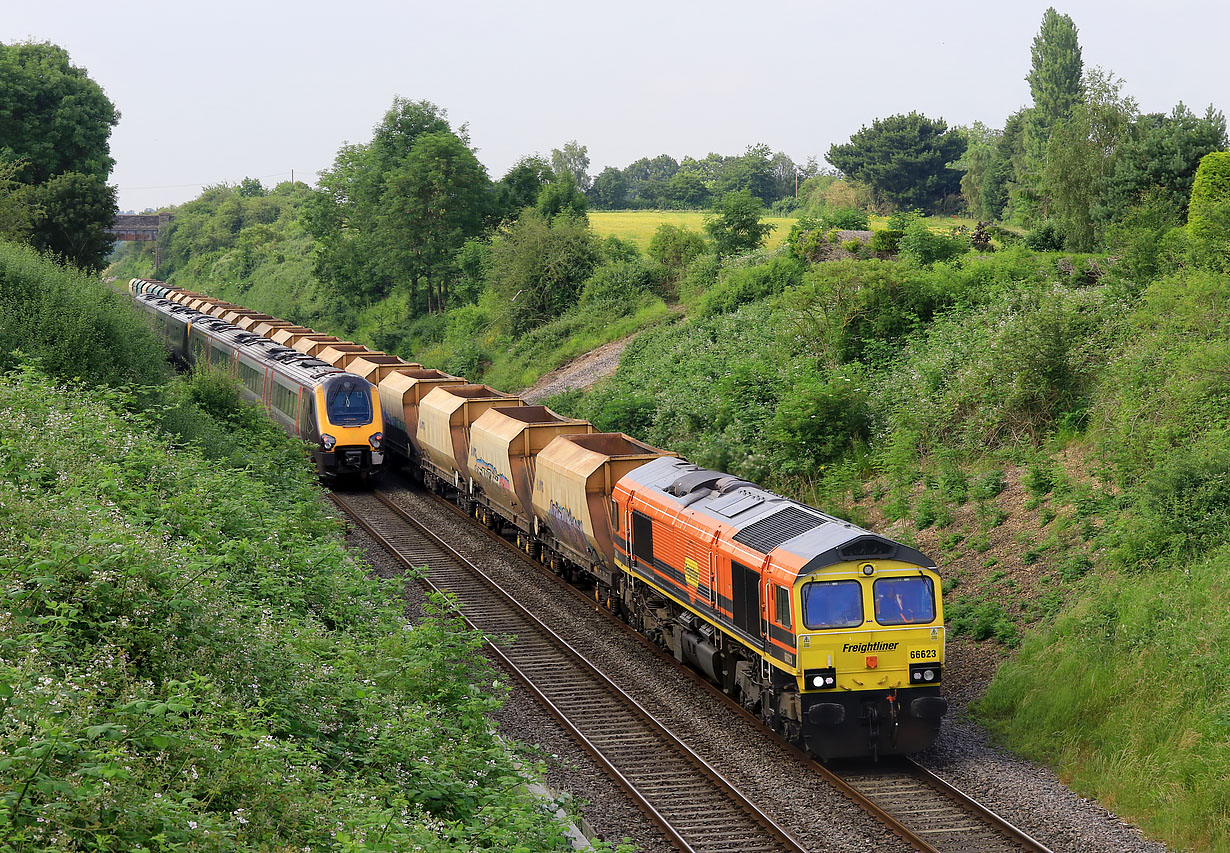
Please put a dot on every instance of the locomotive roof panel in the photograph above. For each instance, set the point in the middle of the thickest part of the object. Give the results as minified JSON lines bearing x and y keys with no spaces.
{"x":765,"y":521}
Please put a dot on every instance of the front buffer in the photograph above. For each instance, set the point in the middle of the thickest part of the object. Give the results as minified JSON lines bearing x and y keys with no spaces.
{"x":872,"y":693}
{"x":872,"y":723}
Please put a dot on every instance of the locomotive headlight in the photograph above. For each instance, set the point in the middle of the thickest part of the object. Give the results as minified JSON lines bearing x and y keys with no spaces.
{"x":925,"y":673}
{"x":820,"y":679}
{"x":327,"y":441}
{"x":868,"y":569}
{"x":374,"y":440}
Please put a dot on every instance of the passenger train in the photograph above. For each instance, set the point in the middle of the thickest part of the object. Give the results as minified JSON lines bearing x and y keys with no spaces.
{"x":833,"y":635}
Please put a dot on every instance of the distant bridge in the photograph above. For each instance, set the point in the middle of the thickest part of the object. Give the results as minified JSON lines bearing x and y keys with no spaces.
{"x":142,"y":228}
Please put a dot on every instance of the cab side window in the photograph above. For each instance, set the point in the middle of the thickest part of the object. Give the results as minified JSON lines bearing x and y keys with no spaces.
{"x":782,"y":605}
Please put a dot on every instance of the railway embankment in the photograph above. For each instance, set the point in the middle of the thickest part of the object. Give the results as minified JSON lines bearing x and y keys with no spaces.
{"x":190,"y":656}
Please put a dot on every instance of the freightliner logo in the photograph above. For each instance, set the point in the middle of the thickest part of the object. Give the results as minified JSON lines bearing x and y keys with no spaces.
{"x":862,"y":648}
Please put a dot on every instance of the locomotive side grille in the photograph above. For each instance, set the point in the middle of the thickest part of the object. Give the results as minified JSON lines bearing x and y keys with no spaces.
{"x":768,"y":533}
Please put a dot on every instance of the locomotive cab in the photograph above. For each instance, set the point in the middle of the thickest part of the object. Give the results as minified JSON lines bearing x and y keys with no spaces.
{"x":345,"y":426}
{"x":871,"y":653}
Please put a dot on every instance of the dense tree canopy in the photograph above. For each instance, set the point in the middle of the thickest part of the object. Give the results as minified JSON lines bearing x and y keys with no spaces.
{"x":1161,"y":152}
{"x":905,"y":158}
{"x":54,"y":156}
{"x":52,"y":115}
{"x":396,"y":210}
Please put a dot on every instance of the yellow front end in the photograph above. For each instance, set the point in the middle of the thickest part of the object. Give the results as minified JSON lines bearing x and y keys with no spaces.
{"x":871,"y":652}
{"x":349,"y":439}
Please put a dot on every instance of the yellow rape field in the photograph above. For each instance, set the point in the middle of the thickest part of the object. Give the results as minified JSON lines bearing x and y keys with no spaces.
{"x":638,"y":225}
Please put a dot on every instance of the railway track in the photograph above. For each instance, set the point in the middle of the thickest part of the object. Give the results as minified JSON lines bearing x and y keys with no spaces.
{"x":928,"y":812}
{"x":694,"y":806}
{"x":917,"y":805}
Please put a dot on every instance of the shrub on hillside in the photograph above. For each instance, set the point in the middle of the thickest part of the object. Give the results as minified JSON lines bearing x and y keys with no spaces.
{"x":1045,"y":237}
{"x":845,"y":219}
{"x":886,"y":241}
{"x":674,"y":247}
{"x":816,"y":421}
{"x":72,"y":324}
{"x":739,"y":286}
{"x":196,"y":662}
{"x":1208,"y":216}
{"x":921,"y":245}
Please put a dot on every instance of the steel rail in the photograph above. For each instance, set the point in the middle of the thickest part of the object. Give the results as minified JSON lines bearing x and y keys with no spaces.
{"x":1011,"y":835}
{"x":704,"y":831}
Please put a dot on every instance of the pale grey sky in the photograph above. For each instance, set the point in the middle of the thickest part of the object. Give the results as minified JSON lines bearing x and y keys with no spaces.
{"x":213,"y":92}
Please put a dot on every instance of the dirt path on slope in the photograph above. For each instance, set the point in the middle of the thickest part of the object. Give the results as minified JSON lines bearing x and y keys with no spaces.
{"x":580,"y":373}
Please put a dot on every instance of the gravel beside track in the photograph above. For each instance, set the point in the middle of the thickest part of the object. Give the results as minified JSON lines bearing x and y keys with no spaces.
{"x":1029,"y":796}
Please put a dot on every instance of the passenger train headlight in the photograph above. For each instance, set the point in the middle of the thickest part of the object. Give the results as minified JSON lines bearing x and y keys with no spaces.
{"x":327,"y":441}
{"x":374,"y":440}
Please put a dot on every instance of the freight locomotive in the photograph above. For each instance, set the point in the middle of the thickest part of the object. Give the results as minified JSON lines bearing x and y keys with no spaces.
{"x":833,"y":635}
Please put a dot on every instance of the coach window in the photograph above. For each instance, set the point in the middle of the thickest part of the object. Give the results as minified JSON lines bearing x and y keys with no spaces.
{"x":220,"y":355}
{"x":832,"y":604}
{"x":782,"y":605}
{"x":642,"y":538}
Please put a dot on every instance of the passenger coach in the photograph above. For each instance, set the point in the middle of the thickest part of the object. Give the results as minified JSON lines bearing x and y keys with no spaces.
{"x":336,"y":412}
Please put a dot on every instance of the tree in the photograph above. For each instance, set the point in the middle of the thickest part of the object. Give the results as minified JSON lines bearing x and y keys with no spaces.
{"x":519,"y":188}
{"x":75,"y":209}
{"x":252,"y":188}
{"x":54,"y":126}
{"x":975,"y":165}
{"x":734,"y":224}
{"x":538,"y":266}
{"x":752,"y":172}
{"x":397,"y":209}
{"x":610,"y":189}
{"x":687,"y":188}
{"x":905,"y":158}
{"x":1081,"y":154}
{"x":52,"y":115}
{"x":1161,"y":153}
{"x":1009,"y":151}
{"x":1055,"y":79}
{"x":561,"y":197}
{"x":573,"y":158}
{"x":432,"y":204}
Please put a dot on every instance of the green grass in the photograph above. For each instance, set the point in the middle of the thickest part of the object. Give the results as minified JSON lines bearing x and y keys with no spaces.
{"x":638,"y":226}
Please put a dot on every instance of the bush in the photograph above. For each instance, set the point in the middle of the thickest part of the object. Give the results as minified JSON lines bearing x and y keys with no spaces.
{"x":845,"y":219}
{"x":1208,"y":215}
{"x":925,"y":247}
{"x":1045,"y":237}
{"x":886,"y":241}
{"x":674,"y":247}
{"x":737,"y":287}
{"x":981,"y":619}
{"x":196,"y":662}
{"x":816,"y":421}
{"x":72,"y":324}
